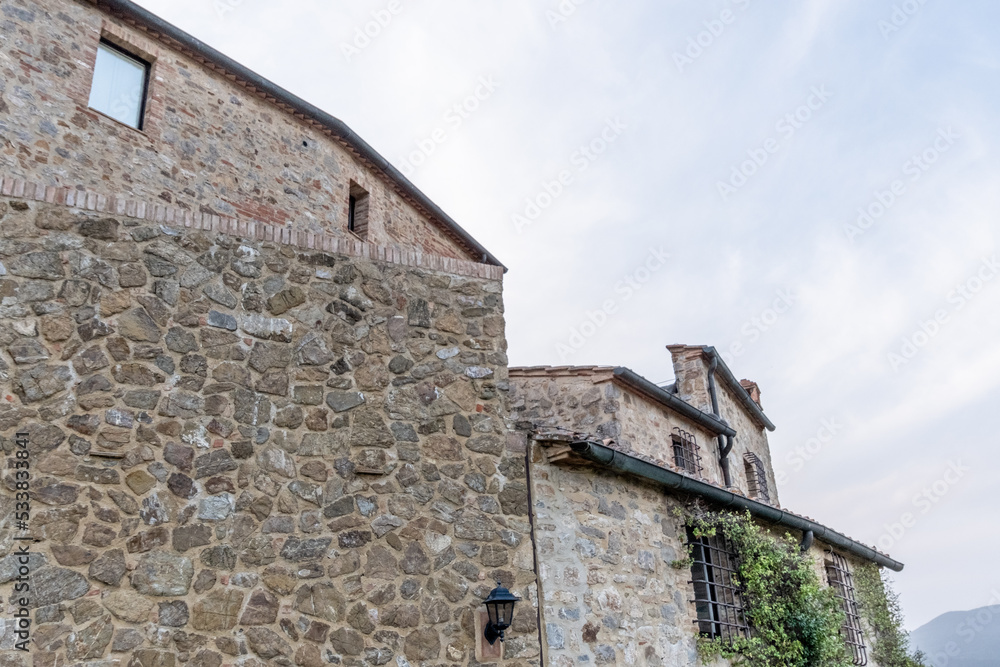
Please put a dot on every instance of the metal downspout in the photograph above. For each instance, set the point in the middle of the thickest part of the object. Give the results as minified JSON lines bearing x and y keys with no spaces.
{"x":542,"y":639}
{"x":725,"y":442}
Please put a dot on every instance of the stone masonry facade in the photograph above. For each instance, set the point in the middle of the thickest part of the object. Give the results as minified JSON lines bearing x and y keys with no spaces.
{"x":605,"y":544}
{"x":255,"y":437}
{"x":211,"y":145}
{"x":588,"y":400}
{"x":609,"y":593}
{"x":691,"y":373}
{"x":608,"y":546}
{"x":252,"y":453}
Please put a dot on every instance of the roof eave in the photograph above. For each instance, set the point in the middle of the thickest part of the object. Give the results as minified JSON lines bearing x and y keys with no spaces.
{"x":609,"y":457}
{"x":742,"y":395}
{"x":636,"y":382}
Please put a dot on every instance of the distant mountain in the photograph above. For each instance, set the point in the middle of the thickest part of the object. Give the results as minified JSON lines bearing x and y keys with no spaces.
{"x":961,"y":639}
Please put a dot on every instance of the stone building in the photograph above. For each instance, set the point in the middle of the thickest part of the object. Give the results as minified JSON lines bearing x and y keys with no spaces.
{"x":256,"y":386}
{"x":259,"y":377}
{"x":612,"y":456}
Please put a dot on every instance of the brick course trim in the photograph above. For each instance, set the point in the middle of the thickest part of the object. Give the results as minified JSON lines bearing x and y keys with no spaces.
{"x":174,"y":216}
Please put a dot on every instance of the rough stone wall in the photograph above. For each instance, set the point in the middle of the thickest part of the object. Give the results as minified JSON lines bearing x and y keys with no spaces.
{"x":576,"y":403}
{"x":647,"y":428}
{"x":599,"y":407}
{"x":605,"y":543}
{"x":245,"y":453}
{"x":749,"y":438}
{"x":691,"y":371}
{"x":691,"y":378}
{"x":208,"y":145}
{"x":609,"y":593}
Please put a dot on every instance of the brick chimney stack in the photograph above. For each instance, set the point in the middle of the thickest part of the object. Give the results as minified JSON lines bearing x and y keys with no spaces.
{"x":753,"y":390}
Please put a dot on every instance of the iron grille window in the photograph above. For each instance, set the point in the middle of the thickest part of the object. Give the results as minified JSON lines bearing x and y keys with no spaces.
{"x":687,"y":453}
{"x":756,"y":477}
{"x":838,"y":573}
{"x":717,"y":598}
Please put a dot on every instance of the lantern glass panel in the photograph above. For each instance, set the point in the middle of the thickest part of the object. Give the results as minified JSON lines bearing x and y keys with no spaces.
{"x":505,"y":611}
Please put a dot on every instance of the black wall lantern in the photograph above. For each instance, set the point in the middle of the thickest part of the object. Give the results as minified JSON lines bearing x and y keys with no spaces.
{"x":500,"y":607}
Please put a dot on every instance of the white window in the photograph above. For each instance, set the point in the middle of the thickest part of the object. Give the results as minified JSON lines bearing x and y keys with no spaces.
{"x":119,"y":88}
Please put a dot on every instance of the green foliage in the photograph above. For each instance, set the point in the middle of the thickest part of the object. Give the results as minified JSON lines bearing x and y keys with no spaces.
{"x":796,"y":620}
{"x":682,"y":564}
{"x":879,"y":606}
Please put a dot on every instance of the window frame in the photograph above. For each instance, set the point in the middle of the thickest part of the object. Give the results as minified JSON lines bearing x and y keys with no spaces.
{"x":757,"y":486}
{"x":147,"y":65}
{"x":720,"y":604}
{"x":686,"y":452}
{"x":358,"y":210}
{"x":840,"y":579}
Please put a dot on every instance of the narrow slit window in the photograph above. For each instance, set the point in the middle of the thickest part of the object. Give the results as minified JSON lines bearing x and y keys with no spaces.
{"x":687,"y":453}
{"x":719,"y":602}
{"x":357,"y":211}
{"x":120,"y":84}
{"x":838,"y":573}
{"x":756,"y":477}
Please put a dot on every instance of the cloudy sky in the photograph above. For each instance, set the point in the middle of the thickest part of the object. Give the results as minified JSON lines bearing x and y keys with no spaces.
{"x":808,"y":185}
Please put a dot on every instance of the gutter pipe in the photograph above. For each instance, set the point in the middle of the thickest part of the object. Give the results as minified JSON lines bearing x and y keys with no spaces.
{"x":624,"y":463}
{"x":710,"y":422}
{"x":725,"y":443}
{"x":738,"y":390}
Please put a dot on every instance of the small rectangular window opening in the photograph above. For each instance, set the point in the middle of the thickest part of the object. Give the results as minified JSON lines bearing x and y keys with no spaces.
{"x":756,"y":477}
{"x":838,"y":573}
{"x":357,"y":211}
{"x":718,"y":601}
{"x":120,"y":84}
{"x":687,"y":453}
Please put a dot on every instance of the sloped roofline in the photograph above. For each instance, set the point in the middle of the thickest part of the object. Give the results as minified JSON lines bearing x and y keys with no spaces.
{"x":635,"y":383}
{"x":727,"y":377}
{"x":175,"y":38}
{"x":602,"y":453}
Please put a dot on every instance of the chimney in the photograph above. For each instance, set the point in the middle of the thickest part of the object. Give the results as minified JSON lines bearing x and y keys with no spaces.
{"x":753,"y":390}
